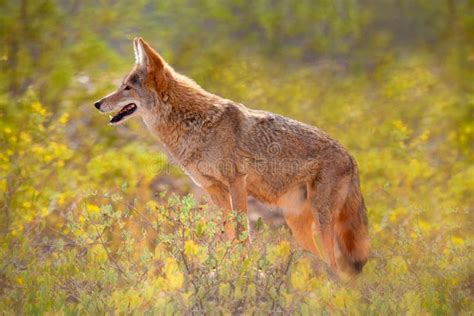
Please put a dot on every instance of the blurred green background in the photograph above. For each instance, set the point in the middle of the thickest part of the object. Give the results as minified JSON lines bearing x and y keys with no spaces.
{"x":392,"y":80}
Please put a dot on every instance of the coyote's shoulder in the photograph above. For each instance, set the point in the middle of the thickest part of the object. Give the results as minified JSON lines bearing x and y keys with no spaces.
{"x":233,"y":151}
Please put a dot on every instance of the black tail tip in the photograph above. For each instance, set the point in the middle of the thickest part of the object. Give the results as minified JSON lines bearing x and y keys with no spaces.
{"x":358,"y":266}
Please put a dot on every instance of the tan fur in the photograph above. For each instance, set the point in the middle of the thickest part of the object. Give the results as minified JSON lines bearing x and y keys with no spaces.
{"x":233,"y":151}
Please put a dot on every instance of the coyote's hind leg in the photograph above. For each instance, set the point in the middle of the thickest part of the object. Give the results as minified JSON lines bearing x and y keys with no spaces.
{"x":327,"y":194}
{"x":301,"y":226}
{"x":299,"y":217}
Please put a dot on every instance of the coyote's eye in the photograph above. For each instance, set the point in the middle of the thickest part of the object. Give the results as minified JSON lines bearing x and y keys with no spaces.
{"x":127,"y":87}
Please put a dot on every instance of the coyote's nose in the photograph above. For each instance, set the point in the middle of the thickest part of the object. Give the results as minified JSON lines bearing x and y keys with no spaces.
{"x":97,"y":105}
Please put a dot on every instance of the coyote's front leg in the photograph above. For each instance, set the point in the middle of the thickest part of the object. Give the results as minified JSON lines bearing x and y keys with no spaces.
{"x":238,"y":193}
{"x":221,"y":198}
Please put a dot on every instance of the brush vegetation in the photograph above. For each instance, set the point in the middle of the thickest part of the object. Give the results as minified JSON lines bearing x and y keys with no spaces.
{"x":84,"y":230}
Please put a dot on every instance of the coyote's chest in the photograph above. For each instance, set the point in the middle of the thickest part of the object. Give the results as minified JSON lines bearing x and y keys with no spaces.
{"x":205,"y":173}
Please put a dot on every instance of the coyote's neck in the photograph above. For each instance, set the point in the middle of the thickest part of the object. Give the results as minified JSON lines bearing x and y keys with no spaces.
{"x":184,"y":117}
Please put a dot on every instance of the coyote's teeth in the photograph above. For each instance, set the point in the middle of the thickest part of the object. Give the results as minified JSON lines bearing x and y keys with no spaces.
{"x":110,"y":116}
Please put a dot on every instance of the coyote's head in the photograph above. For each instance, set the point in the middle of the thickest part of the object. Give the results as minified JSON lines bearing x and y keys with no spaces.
{"x":142,"y":89}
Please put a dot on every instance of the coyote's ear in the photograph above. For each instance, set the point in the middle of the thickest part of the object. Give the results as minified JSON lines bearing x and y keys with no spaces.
{"x":138,"y":57}
{"x":145,"y":55}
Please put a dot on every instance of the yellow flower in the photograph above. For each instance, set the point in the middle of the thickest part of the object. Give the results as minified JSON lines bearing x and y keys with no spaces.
{"x":26,"y":204}
{"x":376,"y":227}
{"x":38,"y":108}
{"x":424,"y":226}
{"x":190,"y":248}
{"x":61,"y":199}
{"x":64,"y":118}
{"x":457,"y":241}
{"x":398,"y":124}
{"x":25,"y":137}
{"x":39,"y":150}
{"x":93,"y":209}
{"x":195,"y":251}
{"x":44,"y":211}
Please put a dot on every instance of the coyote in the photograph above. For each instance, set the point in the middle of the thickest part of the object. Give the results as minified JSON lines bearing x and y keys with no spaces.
{"x":232,"y":151}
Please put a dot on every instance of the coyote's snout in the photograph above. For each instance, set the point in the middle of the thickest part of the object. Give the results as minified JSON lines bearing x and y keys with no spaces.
{"x":233,"y":151}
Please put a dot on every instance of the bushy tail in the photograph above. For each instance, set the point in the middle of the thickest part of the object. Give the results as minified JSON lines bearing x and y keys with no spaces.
{"x":351,"y":233}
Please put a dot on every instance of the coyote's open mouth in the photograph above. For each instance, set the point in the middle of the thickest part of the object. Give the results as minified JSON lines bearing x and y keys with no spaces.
{"x":124,"y":112}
